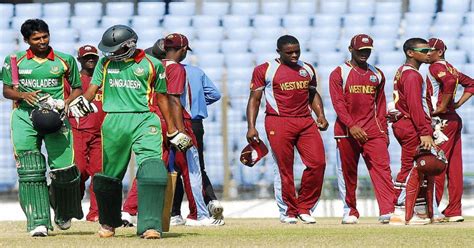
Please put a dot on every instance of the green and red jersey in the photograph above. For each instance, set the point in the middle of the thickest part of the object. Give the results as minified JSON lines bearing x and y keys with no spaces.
{"x":129,"y":86}
{"x":52,"y":75}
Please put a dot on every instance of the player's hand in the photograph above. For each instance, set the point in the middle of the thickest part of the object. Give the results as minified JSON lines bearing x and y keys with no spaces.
{"x":180,"y":141}
{"x":457,"y":105}
{"x":427,"y":142}
{"x":322,"y":123}
{"x":80,"y":107}
{"x":359,"y":134}
{"x":252,"y":134}
{"x":31,"y":98}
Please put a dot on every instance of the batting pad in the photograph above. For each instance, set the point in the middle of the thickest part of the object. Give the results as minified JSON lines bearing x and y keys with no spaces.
{"x":108,"y":193}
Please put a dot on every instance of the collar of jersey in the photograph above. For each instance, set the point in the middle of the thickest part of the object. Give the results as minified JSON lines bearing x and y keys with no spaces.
{"x":140,"y":55}
{"x":30,"y":54}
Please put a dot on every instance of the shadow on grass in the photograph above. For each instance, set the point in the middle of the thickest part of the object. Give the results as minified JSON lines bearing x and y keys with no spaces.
{"x":165,"y":235}
{"x":71,"y":233}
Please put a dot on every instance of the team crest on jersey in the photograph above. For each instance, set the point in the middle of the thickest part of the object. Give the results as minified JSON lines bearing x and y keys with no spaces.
{"x":6,"y":66}
{"x":373,"y":78}
{"x":441,"y":74}
{"x":54,"y":70}
{"x":139,"y":71}
{"x":113,"y":71}
{"x":153,"y":130}
{"x":303,"y":73}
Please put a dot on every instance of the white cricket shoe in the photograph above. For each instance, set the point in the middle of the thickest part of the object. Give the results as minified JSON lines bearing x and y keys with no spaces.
{"x":307,"y":219}
{"x":350,"y":219}
{"x":204,"y":222}
{"x":215,"y":209}
{"x":127,"y":220}
{"x":385,"y":218}
{"x":455,"y":219}
{"x":177,"y":220}
{"x":64,"y":225}
{"x":439,"y":218}
{"x":289,"y":220}
{"x":39,"y":231}
{"x":398,"y":217}
{"x":416,"y":220}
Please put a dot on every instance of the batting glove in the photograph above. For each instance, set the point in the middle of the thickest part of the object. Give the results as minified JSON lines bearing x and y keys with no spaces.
{"x":80,"y":107}
{"x":180,"y":141}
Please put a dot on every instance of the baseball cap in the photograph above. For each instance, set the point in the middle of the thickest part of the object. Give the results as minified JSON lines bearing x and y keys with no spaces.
{"x":437,"y":44}
{"x":176,"y":40}
{"x":362,"y":41}
{"x":87,"y":50}
{"x":252,"y":153}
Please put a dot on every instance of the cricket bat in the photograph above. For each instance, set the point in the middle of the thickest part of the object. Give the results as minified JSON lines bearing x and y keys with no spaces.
{"x":169,"y":194}
{"x":15,"y":79}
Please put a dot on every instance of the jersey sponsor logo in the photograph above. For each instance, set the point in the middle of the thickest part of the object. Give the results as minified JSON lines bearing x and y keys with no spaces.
{"x":25,"y":71}
{"x":40,"y":83}
{"x":125,"y":83}
{"x":162,"y":75}
{"x":373,"y":78}
{"x":362,"y":89}
{"x":113,"y":71}
{"x":295,"y":85}
{"x":54,"y":70}
{"x":139,"y":71}
{"x":303,"y":73}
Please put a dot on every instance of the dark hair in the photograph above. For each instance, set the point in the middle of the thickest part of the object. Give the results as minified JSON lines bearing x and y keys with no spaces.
{"x":412,"y":42}
{"x":286,"y":39}
{"x":33,"y":25}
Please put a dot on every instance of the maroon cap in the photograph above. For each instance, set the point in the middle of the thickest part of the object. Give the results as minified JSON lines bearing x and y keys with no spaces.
{"x":87,"y":50}
{"x":176,"y":41}
{"x":362,"y":41}
{"x":253,"y":152}
{"x":437,"y":44}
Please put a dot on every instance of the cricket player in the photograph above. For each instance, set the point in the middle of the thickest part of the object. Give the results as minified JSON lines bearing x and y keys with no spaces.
{"x":444,"y":79}
{"x":290,"y":92}
{"x":357,"y":94}
{"x":129,"y":78}
{"x":181,"y":99}
{"x":86,"y":130}
{"x":412,"y":125}
{"x":44,"y":74}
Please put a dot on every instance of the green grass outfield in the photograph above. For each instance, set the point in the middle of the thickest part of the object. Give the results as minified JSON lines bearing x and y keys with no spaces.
{"x":328,"y":232}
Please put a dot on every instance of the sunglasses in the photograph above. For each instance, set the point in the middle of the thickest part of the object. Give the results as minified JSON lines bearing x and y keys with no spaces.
{"x":424,"y":50}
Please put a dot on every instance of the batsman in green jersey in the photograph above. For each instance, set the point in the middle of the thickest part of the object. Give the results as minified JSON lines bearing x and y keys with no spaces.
{"x":40,"y":81}
{"x":129,"y":78}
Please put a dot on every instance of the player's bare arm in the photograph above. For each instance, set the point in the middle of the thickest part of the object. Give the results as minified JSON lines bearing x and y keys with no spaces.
{"x":176,"y":112}
{"x":163,"y":104}
{"x":252,"y":113}
{"x":30,"y":97}
{"x":465,"y":96}
{"x":75,"y":92}
{"x":89,"y":95}
{"x":318,"y":108}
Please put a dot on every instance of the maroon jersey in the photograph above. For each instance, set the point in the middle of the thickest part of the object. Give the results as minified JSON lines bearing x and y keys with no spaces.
{"x":286,"y":88}
{"x":178,"y":84}
{"x":443,"y":78}
{"x":411,"y":97}
{"x":358,"y":98}
{"x":93,"y":121}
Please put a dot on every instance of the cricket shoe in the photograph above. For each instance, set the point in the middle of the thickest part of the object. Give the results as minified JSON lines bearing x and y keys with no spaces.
{"x":39,"y":231}
{"x":106,"y":231}
{"x":385,"y":218}
{"x":151,"y":234}
{"x":416,"y":220}
{"x":397,"y":219}
{"x":204,"y":222}
{"x":350,"y":219}
{"x":215,"y":209}
{"x":127,"y":220}
{"x":289,"y":220}
{"x":64,"y":225}
{"x":177,"y":220}
{"x":439,"y":218}
{"x":454,"y":219}
{"x":307,"y":219}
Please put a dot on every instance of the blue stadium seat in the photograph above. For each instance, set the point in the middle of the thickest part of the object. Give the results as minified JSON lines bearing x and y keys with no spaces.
{"x":6,"y":49}
{"x":66,"y":47}
{"x":234,"y":46}
{"x":452,"y":19}
{"x":205,"y":21}
{"x":458,"y":6}
{"x":235,"y":21}
{"x":384,"y":45}
{"x":264,"y":57}
{"x":325,"y":33}
{"x":210,"y":60}
{"x":327,"y":20}
{"x":239,"y":73}
{"x":467,"y":30}
{"x":239,"y":60}
{"x":326,"y":58}
{"x":8,"y":36}
{"x":88,"y":9}
{"x":274,"y":7}
{"x":270,"y":33}
{"x":149,"y":34}
{"x":4,"y":23}
{"x":171,"y":22}
{"x":109,"y":21}
{"x":415,"y":31}
{"x":468,"y":69}
{"x":211,"y":33}
{"x":30,"y":10}
{"x":215,"y":8}
{"x":91,"y":36}
{"x":362,"y":7}
{"x":391,"y":19}
{"x":470,"y":17}
{"x":207,"y":46}
{"x":244,"y":8}
{"x":383,"y":32}
{"x":417,"y":18}
{"x":303,"y":34}
{"x":7,"y":10}
{"x":81,"y":22}
{"x":296,"y":21}
{"x":214,"y":73}
{"x":322,"y":45}
{"x":357,"y":20}
{"x":456,"y":57}
{"x":351,"y":32}
{"x":61,"y":9}
{"x":333,"y":7}
{"x":57,"y":22}
{"x":189,"y":32}
{"x":244,"y":33}
{"x":17,"y":21}
{"x":64,"y":35}
{"x":388,"y":7}
{"x":445,"y":31}
{"x":262,"y":45}
{"x":122,"y":9}
{"x":139,"y":22}
{"x":391,"y":58}
{"x":182,"y":8}
{"x":427,"y":6}
{"x":303,"y":7}
{"x":266,"y":21}
{"x":151,"y":8}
